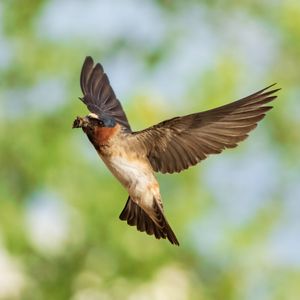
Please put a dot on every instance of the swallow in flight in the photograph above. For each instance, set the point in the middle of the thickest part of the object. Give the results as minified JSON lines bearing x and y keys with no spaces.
{"x":171,"y":146}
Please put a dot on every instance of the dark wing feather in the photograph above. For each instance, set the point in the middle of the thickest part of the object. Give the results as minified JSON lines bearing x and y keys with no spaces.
{"x":98,"y":95}
{"x":181,"y":142}
{"x":136,"y":216}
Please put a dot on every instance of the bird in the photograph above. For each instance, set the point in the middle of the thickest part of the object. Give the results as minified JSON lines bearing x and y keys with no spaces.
{"x":173,"y":145}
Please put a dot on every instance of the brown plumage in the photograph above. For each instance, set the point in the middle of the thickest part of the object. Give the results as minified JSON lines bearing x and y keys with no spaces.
{"x":181,"y":142}
{"x":170,"y":146}
{"x":135,"y":216}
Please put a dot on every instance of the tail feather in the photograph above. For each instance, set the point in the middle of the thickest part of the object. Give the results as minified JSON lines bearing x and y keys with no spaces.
{"x":136,"y":216}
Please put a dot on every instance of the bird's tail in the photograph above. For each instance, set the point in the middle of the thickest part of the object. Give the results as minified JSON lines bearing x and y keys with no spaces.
{"x":136,"y":216}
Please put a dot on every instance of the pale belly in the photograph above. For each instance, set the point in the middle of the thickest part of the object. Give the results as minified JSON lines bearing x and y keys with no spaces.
{"x":135,"y":176}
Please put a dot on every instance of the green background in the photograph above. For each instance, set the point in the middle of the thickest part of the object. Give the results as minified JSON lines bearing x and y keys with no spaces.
{"x":236,"y":215}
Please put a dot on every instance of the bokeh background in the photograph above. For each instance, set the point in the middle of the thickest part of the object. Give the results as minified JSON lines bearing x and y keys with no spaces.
{"x":237,"y":215}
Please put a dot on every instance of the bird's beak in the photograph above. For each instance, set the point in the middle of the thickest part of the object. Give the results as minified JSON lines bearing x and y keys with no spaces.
{"x":78,"y":122}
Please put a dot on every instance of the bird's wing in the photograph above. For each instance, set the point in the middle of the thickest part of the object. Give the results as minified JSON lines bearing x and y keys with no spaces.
{"x":181,"y":142}
{"x":98,"y":95}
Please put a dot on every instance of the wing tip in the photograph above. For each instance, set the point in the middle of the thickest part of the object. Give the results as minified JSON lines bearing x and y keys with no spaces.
{"x":88,"y":59}
{"x":268,"y":91}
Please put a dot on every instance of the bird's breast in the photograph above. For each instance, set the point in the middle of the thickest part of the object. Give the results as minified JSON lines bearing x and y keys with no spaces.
{"x":135,"y":175}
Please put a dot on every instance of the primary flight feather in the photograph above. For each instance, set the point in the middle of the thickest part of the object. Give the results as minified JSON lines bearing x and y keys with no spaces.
{"x":170,"y":146}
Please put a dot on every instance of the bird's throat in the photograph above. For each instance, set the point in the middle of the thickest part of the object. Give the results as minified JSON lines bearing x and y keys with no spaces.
{"x":100,"y":136}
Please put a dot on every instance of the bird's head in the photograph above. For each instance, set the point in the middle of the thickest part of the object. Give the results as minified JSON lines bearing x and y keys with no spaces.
{"x":92,"y":121}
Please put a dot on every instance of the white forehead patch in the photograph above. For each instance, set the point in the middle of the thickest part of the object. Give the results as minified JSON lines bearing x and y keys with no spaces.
{"x":92,"y":115}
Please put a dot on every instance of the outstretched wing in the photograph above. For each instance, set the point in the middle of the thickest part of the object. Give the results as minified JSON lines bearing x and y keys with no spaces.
{"x":98,"y":95}
{"x":181,"y":142}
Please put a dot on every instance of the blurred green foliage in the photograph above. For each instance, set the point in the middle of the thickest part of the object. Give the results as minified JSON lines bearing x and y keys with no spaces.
{"x":60,"y":237}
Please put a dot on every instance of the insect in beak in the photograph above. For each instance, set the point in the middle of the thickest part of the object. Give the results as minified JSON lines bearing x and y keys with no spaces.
{"x":78,"y":122}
